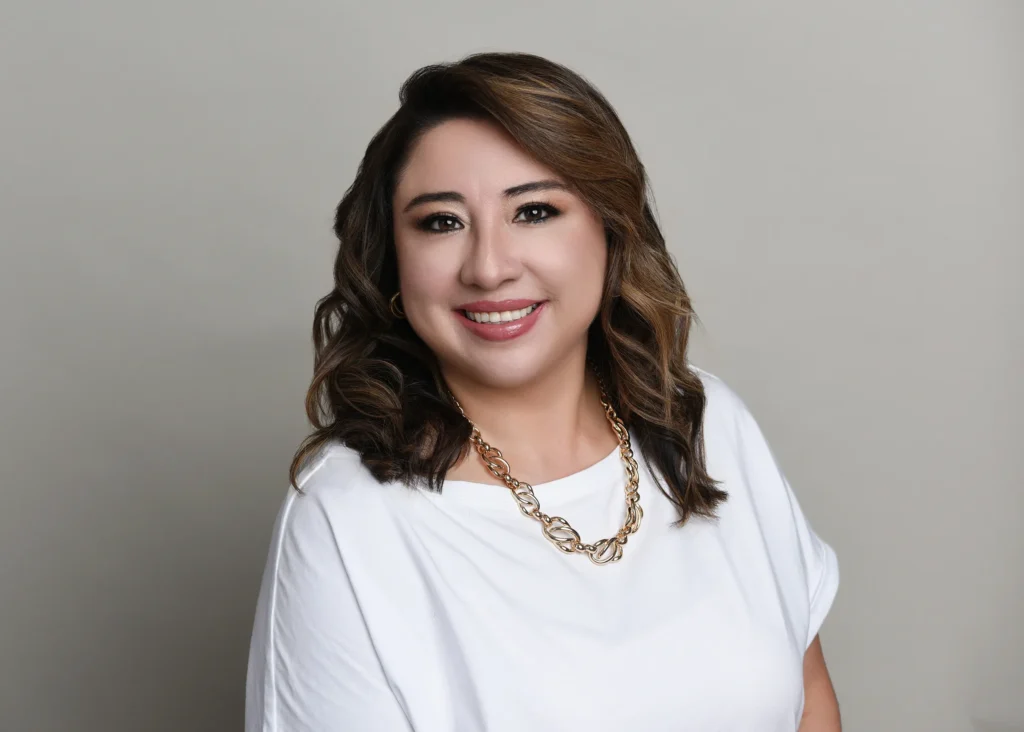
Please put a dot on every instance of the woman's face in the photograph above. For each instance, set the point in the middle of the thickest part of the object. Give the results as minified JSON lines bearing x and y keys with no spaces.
{"x":501,"y":267}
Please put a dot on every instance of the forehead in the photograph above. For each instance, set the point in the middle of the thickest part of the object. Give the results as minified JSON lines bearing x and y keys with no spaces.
{"x":472,"y":157}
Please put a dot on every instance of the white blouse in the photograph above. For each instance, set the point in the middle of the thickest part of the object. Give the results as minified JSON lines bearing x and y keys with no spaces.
{"x":389,"y":608}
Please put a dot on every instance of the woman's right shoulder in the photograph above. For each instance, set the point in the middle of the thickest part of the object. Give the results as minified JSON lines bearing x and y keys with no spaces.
{"x":335,"y":489}
{"x":334,"y":477}
{"x":335,"y":469}
{"x":331,"y":465}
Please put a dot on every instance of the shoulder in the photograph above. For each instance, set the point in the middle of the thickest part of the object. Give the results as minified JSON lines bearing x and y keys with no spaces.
{"x":763,"y":514}
{"x":333,"y":485}
{"x":725,"y":412}
{"x":733,"y":438}
{"x":333,"y":470}
{"x":715,"y":389}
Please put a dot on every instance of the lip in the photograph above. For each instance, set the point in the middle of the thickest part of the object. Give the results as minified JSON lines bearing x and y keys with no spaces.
{"x":500,"y":331}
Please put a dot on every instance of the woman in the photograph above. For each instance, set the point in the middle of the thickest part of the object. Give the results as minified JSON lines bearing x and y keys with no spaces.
{"x":507,"y":331}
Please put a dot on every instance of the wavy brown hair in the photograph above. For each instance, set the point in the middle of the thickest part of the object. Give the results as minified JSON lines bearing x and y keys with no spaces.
{"x":378,"y":389}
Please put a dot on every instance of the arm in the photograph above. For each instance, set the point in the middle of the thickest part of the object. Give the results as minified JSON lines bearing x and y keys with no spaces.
{"x":821,"y":708}
{"x":312,"y":663}
{"x":807,"y":568}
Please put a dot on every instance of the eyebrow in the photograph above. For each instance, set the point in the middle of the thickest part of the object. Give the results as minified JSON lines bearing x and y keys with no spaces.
{"x":456,"y":197}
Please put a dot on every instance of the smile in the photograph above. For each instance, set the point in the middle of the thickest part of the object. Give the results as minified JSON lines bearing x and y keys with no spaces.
{"x":501,"y":320}
{"x":504,"y":316}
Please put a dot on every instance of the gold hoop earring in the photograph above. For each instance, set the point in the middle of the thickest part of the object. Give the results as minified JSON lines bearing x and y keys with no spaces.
{"x":395,"y":308}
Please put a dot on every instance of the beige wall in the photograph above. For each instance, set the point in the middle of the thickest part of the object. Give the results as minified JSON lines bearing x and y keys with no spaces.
{"x":843,"y":187}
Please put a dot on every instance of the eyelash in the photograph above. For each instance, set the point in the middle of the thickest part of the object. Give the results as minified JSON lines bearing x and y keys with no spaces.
{"x":549,"y":210}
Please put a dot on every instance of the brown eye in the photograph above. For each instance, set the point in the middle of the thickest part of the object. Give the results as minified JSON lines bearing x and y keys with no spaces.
{"x":440,"y":223}
{"x":535,"y":213}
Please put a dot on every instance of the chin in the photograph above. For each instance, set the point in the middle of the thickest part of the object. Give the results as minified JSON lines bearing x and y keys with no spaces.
{"x":502,"y":369}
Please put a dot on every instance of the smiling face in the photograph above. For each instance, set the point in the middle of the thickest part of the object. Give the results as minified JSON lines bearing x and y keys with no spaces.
{"x":501,"y":267}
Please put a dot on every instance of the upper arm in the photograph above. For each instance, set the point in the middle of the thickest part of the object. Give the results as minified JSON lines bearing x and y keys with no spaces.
{"x":312,"y":663}
{"x":805,"y":567}
{"x":821,"y":708}
{"x":820,"y":568}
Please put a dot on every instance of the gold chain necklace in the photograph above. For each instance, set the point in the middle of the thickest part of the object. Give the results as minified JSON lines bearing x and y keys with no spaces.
{"x":555,"y":528}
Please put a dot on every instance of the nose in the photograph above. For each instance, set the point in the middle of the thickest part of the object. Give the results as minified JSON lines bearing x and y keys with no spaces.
{"x":490,"y":259}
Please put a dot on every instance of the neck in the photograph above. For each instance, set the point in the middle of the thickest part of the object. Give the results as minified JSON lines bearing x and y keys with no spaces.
{"x":549,"y":428}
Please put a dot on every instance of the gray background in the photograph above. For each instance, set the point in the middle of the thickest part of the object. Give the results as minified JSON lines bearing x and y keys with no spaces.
{"x":843,"y":188}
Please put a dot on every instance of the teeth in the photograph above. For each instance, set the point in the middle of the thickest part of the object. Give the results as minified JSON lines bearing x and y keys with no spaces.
{"x":505,"y":316}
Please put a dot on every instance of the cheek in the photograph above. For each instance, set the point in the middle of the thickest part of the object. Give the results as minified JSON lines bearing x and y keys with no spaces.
{"x":577,"y":264}
{"x":425,"y":273}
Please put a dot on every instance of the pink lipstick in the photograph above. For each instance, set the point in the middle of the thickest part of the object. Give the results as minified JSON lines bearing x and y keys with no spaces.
{"x":500,"y":320}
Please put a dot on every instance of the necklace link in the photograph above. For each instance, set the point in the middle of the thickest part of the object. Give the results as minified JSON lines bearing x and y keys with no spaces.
{"x":556,"y":529}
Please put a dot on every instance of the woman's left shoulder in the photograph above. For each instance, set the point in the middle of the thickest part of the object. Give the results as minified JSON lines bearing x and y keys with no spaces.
{"x":724,"y":411}
{"x":739,"y":457}
{"x":735,"y":445}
